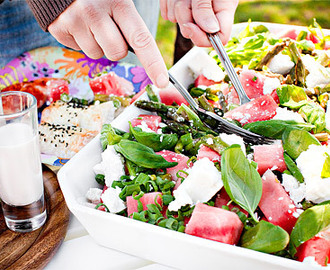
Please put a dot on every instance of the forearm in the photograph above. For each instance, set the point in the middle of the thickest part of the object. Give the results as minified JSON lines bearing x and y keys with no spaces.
{"x":46,"y":11}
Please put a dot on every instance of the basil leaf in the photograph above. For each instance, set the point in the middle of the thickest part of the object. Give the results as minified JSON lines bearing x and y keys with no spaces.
{"x":326,"y":167}
{"x":153,"y":140}
{"x":296,"y":141}
{"x":275,"y":128}
{"x":109,"y":136}
{"x":142,"y":155}
{"x":292,"y":96}
{"x":265,"y":237}
{"x":241,"y":180}
{"x":310,"y":222}
{"x":314,"y":114}
{"x":292,"y":167}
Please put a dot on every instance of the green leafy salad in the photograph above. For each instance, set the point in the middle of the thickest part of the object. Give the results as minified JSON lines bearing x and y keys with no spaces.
{"x":171,"y":169}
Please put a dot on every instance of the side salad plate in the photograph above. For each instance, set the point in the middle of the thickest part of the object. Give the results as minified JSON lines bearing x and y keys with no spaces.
{"x":70,"y":122}
{"x":160,"y":184}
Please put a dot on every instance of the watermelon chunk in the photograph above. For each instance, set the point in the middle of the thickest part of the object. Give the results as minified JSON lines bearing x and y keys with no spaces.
{"x":215,"y":224}
{"x":202,"y":80}
{"x":269,"y":157}
{"x":275,"y":96}
{"x":170,"y":95}
{"x":111,"y":84}
{"x":276,"y":204}
{"x":289,"y":33}
{"x":317,"y":247}
{"x":222,"y":199}
{"x":182,"y":160}
{"x":151,"y":121}
{"x":259,"y":109}
{"x":252,"y":82}
{"x":56,"y":88}
{"x":209,"y":153}
{"x":147,"y":198}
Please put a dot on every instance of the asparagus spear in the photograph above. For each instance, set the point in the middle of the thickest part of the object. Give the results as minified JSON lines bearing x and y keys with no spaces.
{"x":160,"y":108}
{"x":182,"y":129}
{"x":182,"y":115}
{"x":270,"y":55}
{"x":151,"y":94}
{"x":299,"y":73}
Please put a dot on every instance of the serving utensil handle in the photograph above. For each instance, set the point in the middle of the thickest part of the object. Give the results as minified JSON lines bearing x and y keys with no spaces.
{"x":224,"y":58}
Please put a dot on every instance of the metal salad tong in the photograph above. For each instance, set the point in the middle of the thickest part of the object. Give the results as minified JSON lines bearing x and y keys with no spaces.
{"x":221,"y":125}
{"x":219,"y":48}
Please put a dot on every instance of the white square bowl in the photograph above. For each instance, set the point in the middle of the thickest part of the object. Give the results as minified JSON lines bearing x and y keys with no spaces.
{"x":148,"y":241}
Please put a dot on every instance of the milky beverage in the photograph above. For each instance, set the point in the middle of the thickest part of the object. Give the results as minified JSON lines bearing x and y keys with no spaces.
{"x":20,"y":167}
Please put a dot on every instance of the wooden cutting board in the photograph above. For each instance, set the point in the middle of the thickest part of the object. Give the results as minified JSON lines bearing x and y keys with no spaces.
{"x":35,"y":249}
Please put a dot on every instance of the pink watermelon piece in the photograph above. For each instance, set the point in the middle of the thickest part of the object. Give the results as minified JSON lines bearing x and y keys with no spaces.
{"x":222,"y":199}
{"x":111,"y":84}
{"x":181,"y":159}
{"x":202,"y":80}
{"x":313,"y":38}
{"x":169,"y":95}
{"x":269,"y":157}
{"x":289,"y":33}
{"x":147,"y":198}
{"x":275,"y":97}
{"x":215,"y":224}
{"x":209,"y":153}
{"x":152,"y":121}
{"x":253,"y":84}
{"x":259,"y":109}
{"x":317,"y":247}
{"x":276,"y":204}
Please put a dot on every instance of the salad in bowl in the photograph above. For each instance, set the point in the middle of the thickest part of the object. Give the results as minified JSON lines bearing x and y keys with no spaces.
{"x":166,"y":166}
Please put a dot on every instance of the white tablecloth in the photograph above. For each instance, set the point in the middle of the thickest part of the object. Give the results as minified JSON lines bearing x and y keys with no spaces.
{"x":80,"y":251}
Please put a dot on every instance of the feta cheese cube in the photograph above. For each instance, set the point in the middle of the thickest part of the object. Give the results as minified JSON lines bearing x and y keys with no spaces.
{"x":111,"y":199}
{"x":296,"y":190}
{"x":231,"y":139}
{"x":94,"y":195}
{"x":310,"y":163}
{"x":281,"y":64}
{"x":202,"y":183}
{"x":270,"y":84}
{"x":318,"y":74}
{"x":285,"y":114}
{"x":112,"y":165}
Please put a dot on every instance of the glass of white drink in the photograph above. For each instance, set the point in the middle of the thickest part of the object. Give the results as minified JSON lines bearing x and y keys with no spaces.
{"x":21,"y":181}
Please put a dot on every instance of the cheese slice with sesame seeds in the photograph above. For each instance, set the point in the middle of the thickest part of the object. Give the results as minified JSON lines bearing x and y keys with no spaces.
{"x":65,"y":128}
{"x":63,"y":141}
{"x":89,"y":117}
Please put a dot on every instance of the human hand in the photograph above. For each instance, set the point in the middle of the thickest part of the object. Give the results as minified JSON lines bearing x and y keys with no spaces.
{"x":102,"y":27}
{"x":195,"y":17}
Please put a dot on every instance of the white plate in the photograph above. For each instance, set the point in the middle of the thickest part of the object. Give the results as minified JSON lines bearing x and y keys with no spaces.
{"x":149,"y":241}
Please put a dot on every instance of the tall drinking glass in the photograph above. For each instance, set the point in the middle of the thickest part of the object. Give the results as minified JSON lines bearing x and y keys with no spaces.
{"x":21,"y":181}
